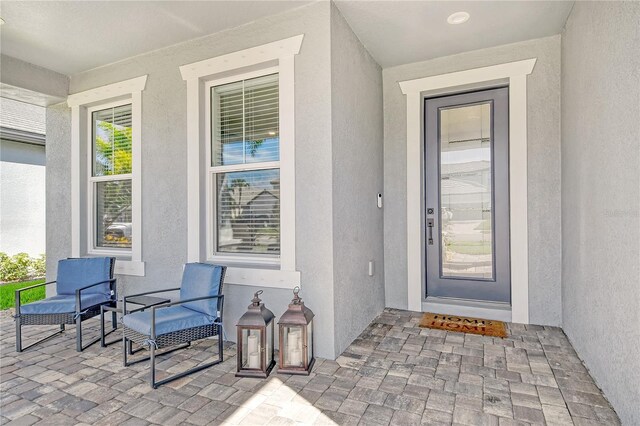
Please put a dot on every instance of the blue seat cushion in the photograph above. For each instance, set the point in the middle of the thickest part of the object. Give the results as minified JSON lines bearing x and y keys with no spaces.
{"x":77,"y":273}
{"x":63,"y":303}
{"x":173,"y":318}
{"x":200,"y":280}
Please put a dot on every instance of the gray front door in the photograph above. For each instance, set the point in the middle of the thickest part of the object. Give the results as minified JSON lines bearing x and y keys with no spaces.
{"x":467,"y":196}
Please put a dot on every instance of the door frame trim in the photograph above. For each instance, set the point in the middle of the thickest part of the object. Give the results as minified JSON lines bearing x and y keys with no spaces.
{"x":513,"y":74}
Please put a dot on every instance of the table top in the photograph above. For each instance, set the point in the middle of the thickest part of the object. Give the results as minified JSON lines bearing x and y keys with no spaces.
{"x":147,"y":300}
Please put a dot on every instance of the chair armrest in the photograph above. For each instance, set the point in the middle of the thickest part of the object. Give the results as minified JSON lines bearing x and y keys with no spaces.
{"x":17,"y":305}
{"x":112,"y":280}
{"x":150,"y":292}
{"x":34,"y":286}
{"x":178,"y":302}
{"x":220,"y":298}
{"x":79,"y":291}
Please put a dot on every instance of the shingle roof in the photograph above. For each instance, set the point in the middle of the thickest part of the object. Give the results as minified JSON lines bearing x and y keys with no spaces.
{"x":22,"y":116}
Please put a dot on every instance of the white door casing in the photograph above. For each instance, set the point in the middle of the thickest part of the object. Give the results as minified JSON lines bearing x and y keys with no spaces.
{"x":514,"y":74}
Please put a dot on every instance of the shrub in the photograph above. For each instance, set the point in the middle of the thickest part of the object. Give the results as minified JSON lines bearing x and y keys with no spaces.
{"x":20,"y":266}
{"x":39,"y":266}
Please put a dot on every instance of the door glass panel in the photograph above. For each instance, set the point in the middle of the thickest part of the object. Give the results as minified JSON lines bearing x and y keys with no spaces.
{"x":466,"y":226}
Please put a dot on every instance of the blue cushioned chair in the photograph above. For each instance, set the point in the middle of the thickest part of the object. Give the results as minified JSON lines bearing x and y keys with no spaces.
{"x":82,"y":286}
{"x":197,"y":315}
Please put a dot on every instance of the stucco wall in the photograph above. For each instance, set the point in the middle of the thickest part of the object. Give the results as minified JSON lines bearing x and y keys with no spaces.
{"x":356,"y":135}
{"x":41,"y":86}
{"x":58,"y":188}
{"x":601,"y":196}
{"x":164,"y":163}
{"x":543,"y":93}
{"x":22,"y":197}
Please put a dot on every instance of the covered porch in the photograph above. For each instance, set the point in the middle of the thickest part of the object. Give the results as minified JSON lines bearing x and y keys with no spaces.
{"x":307,"y":144}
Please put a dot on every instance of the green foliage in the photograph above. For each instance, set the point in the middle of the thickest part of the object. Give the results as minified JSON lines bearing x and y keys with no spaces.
{"x":21,"y":266}
{"x":39,"y":266}
{"x":8,"y":292}
{"x":114,"y":153}
{"x":114,"y":157}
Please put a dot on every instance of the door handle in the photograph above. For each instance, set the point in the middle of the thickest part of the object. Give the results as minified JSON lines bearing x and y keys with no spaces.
{"x":430,"y":231}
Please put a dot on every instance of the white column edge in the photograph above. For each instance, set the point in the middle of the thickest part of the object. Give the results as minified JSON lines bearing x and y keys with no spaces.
{"x":75,"y":181}
{"x":193,"y":170}
{"x":414,"y":209}
{"x":136,"y":181}
{"x":518,"y":199}
{"x":287,"y":164}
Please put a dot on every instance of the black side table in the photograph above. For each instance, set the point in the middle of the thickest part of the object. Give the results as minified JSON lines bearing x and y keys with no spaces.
{"x":144,"y":301}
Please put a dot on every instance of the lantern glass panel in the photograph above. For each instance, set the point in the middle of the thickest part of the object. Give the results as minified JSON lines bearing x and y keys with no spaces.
{"x":269,"y":353}
{"x":292,"y":345}
{"x":310,"y":341}
{"x":251,"y":345}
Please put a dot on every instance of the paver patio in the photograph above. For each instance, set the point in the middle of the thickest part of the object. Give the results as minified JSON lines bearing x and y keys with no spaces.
{"x":394,"y":373}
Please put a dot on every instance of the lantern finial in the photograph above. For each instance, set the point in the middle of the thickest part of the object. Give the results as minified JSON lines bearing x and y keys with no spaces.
{"x":256,"y":298}
{"x":296,"y":299}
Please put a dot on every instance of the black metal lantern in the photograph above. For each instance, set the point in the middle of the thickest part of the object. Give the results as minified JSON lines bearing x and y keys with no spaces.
{"x":255,"y":340}
{"x":296,"y":338}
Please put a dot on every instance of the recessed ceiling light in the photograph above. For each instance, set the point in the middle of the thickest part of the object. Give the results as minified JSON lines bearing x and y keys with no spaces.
{"x":458,"y":18}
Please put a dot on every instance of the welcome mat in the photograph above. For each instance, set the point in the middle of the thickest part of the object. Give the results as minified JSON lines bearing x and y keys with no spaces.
{"x":464,"y":324}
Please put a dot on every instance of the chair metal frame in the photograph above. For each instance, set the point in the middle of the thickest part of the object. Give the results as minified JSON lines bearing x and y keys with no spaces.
{"x":180,"y":338}
{"x":62,"y":319}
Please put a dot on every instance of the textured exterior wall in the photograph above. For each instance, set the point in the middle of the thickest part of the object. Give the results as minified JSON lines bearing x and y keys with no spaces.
{"x":601,"y":196}
{"x":58,"y":184}
{"x":17,"y":73}
{"x":22,"y":198}
{"x":356,"y":135}
{"x":543,"y":93}
{"x":164,"y":162}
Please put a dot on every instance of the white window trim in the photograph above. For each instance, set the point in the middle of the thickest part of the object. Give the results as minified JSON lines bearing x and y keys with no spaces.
{"x":278,"y":57}
{"x":515,"y":75}
{"x":82,"y":104}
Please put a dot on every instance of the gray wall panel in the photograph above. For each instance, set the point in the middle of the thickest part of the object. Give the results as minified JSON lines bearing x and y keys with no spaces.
{"x":601,"y":196}
{"x":164,"y":162}
{"x":58,"y":188}
{"x":356,"y":129}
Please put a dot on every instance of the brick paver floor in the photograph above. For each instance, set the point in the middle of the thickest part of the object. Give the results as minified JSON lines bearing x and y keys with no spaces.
{"x":393,"y":373}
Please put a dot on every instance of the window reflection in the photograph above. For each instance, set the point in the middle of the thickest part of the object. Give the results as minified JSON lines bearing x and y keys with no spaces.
{"x":248,"y":211}
{"x":466,"y":192}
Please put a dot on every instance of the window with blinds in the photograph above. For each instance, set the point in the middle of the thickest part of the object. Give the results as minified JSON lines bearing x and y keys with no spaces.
{"x":245,"y":168}
{"x":110,"y":180}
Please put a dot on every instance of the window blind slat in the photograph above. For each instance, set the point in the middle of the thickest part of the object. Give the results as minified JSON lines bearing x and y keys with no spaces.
{"x":246,"y":121}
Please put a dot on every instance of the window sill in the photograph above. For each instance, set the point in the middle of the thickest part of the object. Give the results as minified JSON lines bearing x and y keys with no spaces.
{"x":273,"y":278}
{"x":244,"y":261}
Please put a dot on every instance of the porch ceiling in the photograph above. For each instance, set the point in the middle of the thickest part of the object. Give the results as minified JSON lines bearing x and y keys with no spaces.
{"x":402,"y":32}
{"x":75,"y":36}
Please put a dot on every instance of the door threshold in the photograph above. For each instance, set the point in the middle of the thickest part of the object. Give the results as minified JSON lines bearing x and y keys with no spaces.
{"x":469,"y":308}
